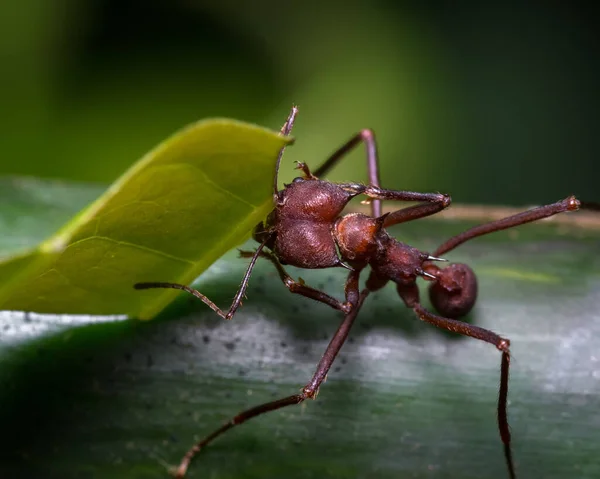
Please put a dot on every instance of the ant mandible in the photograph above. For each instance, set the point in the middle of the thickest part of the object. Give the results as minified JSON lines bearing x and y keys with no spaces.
{"x":306,"y":229}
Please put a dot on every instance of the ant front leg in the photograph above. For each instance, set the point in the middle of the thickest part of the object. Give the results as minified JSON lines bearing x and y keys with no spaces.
{"x":410,"y":296}
{"x":568,"y":204}
{"x":298,"y":287}
{"x":309,"y":391}
{"x":431,"y":203}
{"x":367,"y":137}
{"x":414,"y":212}
{"x":455,"y":291}
{"x":237,"y":300}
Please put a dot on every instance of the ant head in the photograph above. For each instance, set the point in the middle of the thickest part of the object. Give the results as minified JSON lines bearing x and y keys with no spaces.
{"x":455,"y":291}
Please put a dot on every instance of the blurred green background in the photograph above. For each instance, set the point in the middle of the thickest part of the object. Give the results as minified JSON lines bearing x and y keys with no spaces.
{"x":493,"y":102}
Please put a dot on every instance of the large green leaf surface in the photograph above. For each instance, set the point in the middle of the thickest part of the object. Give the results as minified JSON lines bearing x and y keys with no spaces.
{"x":168,"y":218}
{"x":102,"y":397}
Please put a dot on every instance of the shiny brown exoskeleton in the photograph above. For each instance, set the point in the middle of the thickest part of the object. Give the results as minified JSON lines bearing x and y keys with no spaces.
{"x":306,"y":229}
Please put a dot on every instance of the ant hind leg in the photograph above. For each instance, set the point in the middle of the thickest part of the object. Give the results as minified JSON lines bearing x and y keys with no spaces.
{"x":309,"y":391}
{"x":410,"y":296}
{"x":237,"y":300}
{"x":367,"y":137}
{"x":298,"y":287}
{"x":568,"y":204}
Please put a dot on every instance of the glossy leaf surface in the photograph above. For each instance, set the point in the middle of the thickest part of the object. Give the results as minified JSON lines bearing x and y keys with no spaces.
{"x":99,"y":397}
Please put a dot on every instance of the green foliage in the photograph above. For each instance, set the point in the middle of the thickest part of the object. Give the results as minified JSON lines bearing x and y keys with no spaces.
{"x":89,"y":396}
{"x":167,"y":218}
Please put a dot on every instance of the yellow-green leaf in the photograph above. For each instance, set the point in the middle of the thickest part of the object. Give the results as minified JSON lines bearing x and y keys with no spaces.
{"x":167,"y":218}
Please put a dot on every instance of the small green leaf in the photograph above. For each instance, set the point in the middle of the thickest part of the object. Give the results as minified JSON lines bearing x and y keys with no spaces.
{"x":168,"y":218}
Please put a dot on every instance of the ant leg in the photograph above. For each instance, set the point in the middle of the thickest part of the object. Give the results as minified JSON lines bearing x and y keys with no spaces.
{"x":308,"y":392}
{"x":412,"y":213}
{"x":286,"y":129}
{"x":368,"y":138}
{"x":237,"y":300}
{"x":298,"y":287}
{"x":502,"y":345}
{"x":568,"y":204}
{"x":306,"y":170}
{"x":440,"y":199}
{"x":375,"y":282}
{"x":410,"y":296}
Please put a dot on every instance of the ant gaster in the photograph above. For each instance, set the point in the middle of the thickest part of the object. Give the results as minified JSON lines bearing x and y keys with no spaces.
{"x":306,"y":229}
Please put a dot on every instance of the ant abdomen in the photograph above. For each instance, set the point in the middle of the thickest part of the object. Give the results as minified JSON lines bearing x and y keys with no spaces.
{"x":455,"y":291}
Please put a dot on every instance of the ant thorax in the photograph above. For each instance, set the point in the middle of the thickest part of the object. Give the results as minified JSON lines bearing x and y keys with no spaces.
{"x":357,"y":237}
{"x":362,"y":240}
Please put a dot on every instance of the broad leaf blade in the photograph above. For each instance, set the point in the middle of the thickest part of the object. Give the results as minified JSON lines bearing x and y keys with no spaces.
{"x":121,"y":399}
{"x":167,"y":219}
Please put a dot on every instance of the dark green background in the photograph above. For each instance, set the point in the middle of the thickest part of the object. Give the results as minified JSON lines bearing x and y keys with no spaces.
{"x":493,"y":102}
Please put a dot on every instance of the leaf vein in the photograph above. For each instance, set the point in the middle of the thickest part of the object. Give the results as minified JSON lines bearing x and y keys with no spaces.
{"x":136,"y":246}
{"x":219,"y":187}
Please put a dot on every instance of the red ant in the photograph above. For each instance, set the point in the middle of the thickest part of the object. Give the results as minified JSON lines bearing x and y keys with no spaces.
{"x":306,"y":229}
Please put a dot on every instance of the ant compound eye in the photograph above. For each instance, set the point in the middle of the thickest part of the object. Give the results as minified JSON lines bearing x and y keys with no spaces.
{"x":455,"y":291}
